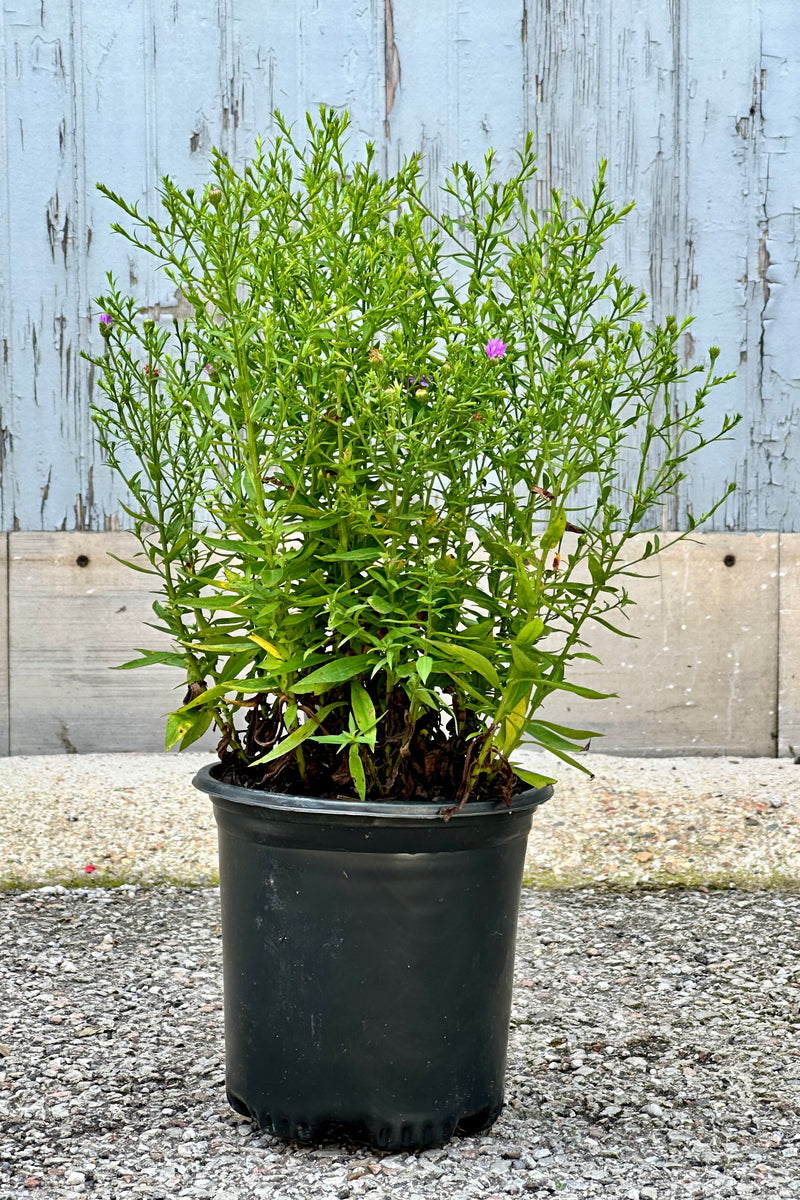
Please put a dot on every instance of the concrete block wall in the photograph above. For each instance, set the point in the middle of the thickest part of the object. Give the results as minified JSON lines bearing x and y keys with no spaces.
{"x":715,"y":668}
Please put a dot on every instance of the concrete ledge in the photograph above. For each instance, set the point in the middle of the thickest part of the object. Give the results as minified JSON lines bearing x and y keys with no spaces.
{"x":717,"y":628}
{"x":702,"y":675}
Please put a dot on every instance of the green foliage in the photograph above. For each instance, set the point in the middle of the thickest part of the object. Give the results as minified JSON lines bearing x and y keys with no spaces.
{"x":376,"y":542}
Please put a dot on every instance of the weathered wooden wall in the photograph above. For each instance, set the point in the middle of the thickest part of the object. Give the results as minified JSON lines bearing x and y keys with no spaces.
{"x":696,"y":112}
{"x":697,"y":115}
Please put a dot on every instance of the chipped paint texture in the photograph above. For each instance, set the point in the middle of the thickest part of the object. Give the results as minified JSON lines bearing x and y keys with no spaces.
{"x":697,"y":116}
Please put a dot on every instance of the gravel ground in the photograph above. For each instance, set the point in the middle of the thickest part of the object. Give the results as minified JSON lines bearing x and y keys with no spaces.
{"x":655,"y":1042}
{"x":655,"y":1052}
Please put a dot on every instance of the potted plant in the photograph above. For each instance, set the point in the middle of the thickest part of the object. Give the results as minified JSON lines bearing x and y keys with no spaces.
{"x":383,"y":476}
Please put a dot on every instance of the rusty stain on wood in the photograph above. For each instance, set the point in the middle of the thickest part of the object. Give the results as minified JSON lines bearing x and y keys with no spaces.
{"x":392,"y":63}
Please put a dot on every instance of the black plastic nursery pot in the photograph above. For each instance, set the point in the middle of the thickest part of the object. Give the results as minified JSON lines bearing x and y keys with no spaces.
{"x":368,"y":954}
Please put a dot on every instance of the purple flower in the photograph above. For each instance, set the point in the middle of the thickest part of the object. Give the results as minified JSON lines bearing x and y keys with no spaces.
{"x":495,"y":347}
{"x":106,"y":319}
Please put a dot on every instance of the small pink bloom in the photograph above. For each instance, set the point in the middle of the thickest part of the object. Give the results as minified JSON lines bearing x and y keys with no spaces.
{"x":495,"y":347}
{"x":106,"y":319}
{"x":89,"y":868}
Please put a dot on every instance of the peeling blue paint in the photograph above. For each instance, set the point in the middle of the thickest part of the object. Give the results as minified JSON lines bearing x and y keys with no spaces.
{"x":697,"y":117}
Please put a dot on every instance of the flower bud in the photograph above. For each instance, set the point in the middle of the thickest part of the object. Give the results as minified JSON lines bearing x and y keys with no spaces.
{"x":215,"y":196}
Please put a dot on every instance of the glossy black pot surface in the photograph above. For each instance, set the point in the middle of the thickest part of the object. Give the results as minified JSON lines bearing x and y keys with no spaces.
{"x":368,"y":955}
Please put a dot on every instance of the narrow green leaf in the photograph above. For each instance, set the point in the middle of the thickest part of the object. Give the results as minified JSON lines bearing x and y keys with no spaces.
{"x":339,"y":670}
{"x":532,"y":777}
{"x":198,"y":728}
{"x":549,"y":738}
{"x":363,"y":710}
{"x":555,"y":531}
{"x":525,"y":666}
{"x":294,"y":739}
{"x":424,"y":665}
{"x":530,"y":633}
{"x":614,"y":629}
{"x":596,"y":571}
{"x":364,"y":554}
{"x":273,"y":666}
{"x":151,"y":657}
{"x":528,"y":598}
{"x":587,"y":693}
{"x":317,"y":523}
{"x":219,"y":690}
{"x":357,"y":771}
{"x":178,"y":725}
{"x":126,"y":562}
{"x":470,"y":658}
{"x":578,"y":735}
{"x":221,"y":646}
{"x":567,"y":758}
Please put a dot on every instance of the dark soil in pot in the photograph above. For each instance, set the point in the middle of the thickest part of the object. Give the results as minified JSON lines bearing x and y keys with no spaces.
{"x":419,"y":760}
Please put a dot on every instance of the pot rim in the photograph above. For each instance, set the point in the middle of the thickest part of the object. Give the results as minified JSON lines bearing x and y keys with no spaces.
{"x":206,"y":781}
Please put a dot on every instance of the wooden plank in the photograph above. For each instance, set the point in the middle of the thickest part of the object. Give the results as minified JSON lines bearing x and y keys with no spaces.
{"x":419,"y":104}
{"x":777,"y":436}
{"x":603,"y":83}
{"x":789,"y":646}
{"x":703,"y":676}
{"x":460,"y":85}
{"x":724,"y":173}
{"x":68,"y":624}
{"x":117,"y":94}
{"x":340,"y":63}
{"x":42,"y":411}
